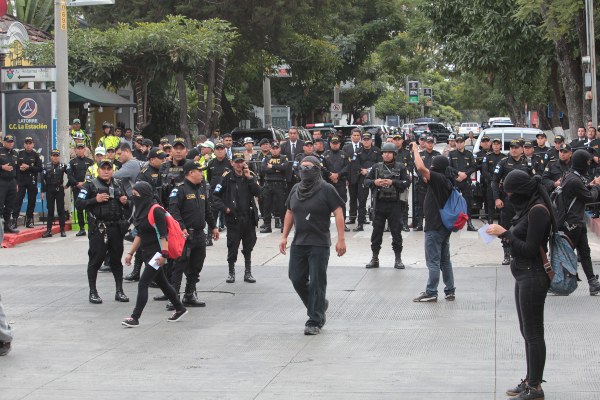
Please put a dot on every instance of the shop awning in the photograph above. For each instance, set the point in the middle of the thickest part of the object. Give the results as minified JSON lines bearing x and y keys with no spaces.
{"x":96,"y":96}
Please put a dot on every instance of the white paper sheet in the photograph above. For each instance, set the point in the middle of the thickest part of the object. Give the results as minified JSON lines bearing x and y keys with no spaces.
{"x":487,"y":239}
{"x":153,"y":262}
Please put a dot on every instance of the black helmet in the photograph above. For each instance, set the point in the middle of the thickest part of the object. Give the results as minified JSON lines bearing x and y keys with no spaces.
{"x":388,"y":147}
{"x":107,"y":124}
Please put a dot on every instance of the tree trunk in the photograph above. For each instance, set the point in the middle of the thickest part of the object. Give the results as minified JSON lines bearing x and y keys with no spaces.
{"x":139,"y":104}
{"x":229,"y":120}
{"x":201,"y":104}
{"x":183,"y":117}
{"x":220,"y":82}
{"x":513,"y":109}
{"x":210,"y":93}
{"x":582,"y":47}
{"x":572,"y":83}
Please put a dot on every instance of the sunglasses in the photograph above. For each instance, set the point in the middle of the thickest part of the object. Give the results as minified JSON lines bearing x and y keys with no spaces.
{"x":308,"y":167}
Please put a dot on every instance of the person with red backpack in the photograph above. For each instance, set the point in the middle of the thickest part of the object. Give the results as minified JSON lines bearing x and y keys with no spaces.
{"x":154,"y":226}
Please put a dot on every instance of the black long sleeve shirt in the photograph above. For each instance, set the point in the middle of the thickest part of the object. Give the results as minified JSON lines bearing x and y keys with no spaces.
{"x":190,"y":206}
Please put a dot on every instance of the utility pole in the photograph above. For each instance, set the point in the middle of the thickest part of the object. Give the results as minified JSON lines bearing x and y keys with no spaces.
{"x":589,"y":23}
{"x":336,"y":100}
{"x":267,"y":101}
{"x":61,"y":59}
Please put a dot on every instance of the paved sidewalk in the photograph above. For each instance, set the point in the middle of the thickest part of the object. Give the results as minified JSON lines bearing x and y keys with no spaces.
{"x":248,"y":342}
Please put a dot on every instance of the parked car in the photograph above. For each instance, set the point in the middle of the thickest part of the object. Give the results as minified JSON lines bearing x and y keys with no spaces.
{"x":497,"y":122}
{"x":438,"y":131}
{"x":467,"y":127}
{"x":407,"y":129}
{"x":257,"y":134}
{"x":347,"y":130}
{"x":325,"y":128}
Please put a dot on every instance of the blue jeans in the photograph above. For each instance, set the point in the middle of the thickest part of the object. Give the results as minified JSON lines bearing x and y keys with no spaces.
{"x":308,"y":273}
{"x":5,"y":330}
{"x":437,"y":258}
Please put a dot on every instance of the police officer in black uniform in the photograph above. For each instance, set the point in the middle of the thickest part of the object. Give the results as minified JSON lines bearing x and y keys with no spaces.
{"x":515,"y":160}
{"x":484,"y":149}
{"x":336,"y":166}
{"x":554,"y":172}
{"x":8,"y":182}
{"x":404,"y":156}
{"x":105,"y":200}
{"x":76,"y":170}
{"x":53,"y":186}
{"x":387,"y":179}
{"x":189,"y":205}
{"x":536,"y":161}
{"x":463,"y":161}
{"x":540,"y":145}
{"x":273,"y":167}
{"x":216,"y":168}
{"x":30,"y":165}
{"x":234,"y":196}
{"x":420,"y":185}
{"x":368,"y":156}
{"x":487,"y":171}
{"x":171,"y":172}
{"x":552,"y":154}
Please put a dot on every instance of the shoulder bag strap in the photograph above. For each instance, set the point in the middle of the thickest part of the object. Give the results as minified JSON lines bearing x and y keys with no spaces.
{"x":543,"y":255}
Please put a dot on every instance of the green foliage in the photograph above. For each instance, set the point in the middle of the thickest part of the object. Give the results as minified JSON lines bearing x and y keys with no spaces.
{"x":38,"y":13}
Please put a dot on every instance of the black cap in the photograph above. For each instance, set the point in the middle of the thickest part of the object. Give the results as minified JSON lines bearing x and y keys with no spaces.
{"x":485,"y":138}
{"x":9,"y":138}
{"x":515,"y":143}
{"x":459,"y":138}
{"x":565,"y":147}
{"x":167,"y":145}
{"x":366,"y":135}
{"x":541,"y":134}
{"x":105,"y":161}
{"x":220,"y":145}
{"x":238,"y":156}
{"x":179,"y":141}
{"x":319,"y":140}
{"x":55,"y":152}
{"x":164,"y":140}
{"x":528,"y":143}
{"x":262,"y":141}
{"x":28,"y":139}
{"x":308,"y":142}
{"x":80,"y":145}
{"x":397,"y":136}
{"x":430,"y":139}
{"x":496,"y":139}
{"x":335,"y":139}
{"x":147,"y":143}
{"x":559,"y":138}
{"x":156,"y":153}
{"x":274,"y":144}
{"x":190,"y":165}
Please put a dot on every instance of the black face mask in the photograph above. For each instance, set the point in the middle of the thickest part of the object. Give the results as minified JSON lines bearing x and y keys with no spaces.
{"x":309,"y":176}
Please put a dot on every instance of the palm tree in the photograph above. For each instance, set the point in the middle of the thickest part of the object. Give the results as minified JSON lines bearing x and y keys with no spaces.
{"x":37,"y":13}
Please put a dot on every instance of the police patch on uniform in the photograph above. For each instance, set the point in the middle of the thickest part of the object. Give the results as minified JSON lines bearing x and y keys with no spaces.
{"x":202,"y":197}
{"x":82,"y":194}
{"x":218,"y":188}
{"x":497,"y":169}
{"x":173,"y":193}
{"x":190,"y":196}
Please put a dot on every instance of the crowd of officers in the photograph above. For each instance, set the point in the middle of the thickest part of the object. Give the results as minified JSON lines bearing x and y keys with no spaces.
{"x":233,"y":180}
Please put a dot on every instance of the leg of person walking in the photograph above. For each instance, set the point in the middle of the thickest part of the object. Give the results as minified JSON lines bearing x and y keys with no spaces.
{"x":6,"y":335}
{"x":446,"y":268}
{"x":318,"y":259}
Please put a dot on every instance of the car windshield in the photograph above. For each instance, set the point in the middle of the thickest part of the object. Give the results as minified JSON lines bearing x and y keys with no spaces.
{"x":256,"y":135}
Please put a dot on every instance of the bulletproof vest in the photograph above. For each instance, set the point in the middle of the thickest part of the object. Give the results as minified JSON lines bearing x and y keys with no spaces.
{"x":384,"y":172}
{"x":54,"y":174}
{"x":111,"y":210}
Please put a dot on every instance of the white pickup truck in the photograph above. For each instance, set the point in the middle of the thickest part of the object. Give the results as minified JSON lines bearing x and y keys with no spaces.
{"x":467,"y":127}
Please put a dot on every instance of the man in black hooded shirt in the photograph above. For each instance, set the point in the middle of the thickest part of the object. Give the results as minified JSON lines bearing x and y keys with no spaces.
{"x":577,"y":193}
{"x":309,"y":207}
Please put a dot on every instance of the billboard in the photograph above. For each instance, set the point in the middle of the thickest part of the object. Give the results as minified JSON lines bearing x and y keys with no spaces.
{"x":29,"y":113}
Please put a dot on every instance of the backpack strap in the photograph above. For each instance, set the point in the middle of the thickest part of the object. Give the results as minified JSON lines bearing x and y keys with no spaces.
{"x":543,"y":255}
{"x":151,"y":214}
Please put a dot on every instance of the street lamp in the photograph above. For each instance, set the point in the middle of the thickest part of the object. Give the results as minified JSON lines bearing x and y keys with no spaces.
{"x":591,"y":48}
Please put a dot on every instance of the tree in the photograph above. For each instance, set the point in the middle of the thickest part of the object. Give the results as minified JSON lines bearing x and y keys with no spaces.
{"x":37,"y":13}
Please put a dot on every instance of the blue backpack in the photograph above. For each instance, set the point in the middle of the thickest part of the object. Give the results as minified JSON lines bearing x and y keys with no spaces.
{"x":454,"y":213}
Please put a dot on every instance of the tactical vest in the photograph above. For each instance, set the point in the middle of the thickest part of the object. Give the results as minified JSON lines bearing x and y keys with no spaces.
{"x":111,"y":210}
{"x":384,"y":172}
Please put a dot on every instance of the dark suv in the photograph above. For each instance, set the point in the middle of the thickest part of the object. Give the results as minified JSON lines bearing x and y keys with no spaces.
{"x":238,"y":135}
{"x":438,"y":131}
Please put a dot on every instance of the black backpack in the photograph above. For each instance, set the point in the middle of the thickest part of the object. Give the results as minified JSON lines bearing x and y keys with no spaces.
{"x":560,"y":208}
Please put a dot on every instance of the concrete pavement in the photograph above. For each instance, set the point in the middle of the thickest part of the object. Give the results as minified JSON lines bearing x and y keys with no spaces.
{"x":248,"y":342}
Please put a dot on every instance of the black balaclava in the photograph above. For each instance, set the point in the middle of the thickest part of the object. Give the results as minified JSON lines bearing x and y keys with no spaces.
{"x":439,"y":164}
{"x":580,"y":161}
{"x":310,"y":179}
{"x":143,"y":202}
{"x":523,"y":189}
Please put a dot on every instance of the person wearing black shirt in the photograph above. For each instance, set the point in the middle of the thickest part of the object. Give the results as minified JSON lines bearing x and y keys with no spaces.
{"x":8,"y":182}
{"x":405,"y":157}
{"x":190,"y":206}
{"x":216,"y":168}
{"x":554,"y":171}
{"x":30,"y":165}
{"x":421,"y":185}
{"x":580,"y":140}
{"x":336,"y":164}
{"x":352,"y":149}
{"x":149,"y":245}
{"x":540,"y":147}
{"x":527,"y":238}
{"x":105,"y":201}
{"x":171,"y":172}
{"x":309,"y":207}
{"x":485,"y":148}
{"x":52,"y":185}
{"x":273,"y":191}
{"x":440,"y":179}
{"x":76,"y":170}
{"x":234,"y":196}
{"x":577,"y":192}
{"x":488,"y":166}
{"x":366,"y":158}
{"x":463,"y":161}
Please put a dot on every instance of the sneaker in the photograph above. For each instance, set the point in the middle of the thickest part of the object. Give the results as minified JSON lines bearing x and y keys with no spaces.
{"x":517,"y":389}
{"x":450,"y":296}
{"x":177,"y":316}
{"x":424,"y":297}
{"x":4,"y":348}
{"x":530,"y":393}
{"x":312,"y":330}
{"x":130,"y":322}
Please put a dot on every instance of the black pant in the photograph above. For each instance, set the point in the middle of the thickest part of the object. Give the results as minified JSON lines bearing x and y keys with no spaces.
{"x":28,"y":186}
{"x":190,"y":263}
{"x":506,"y":215}
{"x":390,"y":211}
{"x":420,"y":192}
{"x":580,"y":240}
{"x":353,"y":191}
{"x":363,"y":195}
{"x":99,"y":248}
{"x":404,"y":205}
{"x":148,"y":275}
{"x":80,"y":213}
{"x":53,"y":196}
{"x":273,"y":200}
{"x":531,"y":288}
{"x":241,"y":229}
{"x":8,"y":195}
{"x":491,"y":205}
{"x":340,"y":187}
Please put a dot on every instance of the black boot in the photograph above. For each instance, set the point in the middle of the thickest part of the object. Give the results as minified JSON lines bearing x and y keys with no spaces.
{"x":359,"y":228}
{"x":470,"y":226}
{"x":398,"y":264}
{"x":351,"y":220}
{"x":277,"y":223}
{"x":231,"y":277}
{"x":266,"y":228}
{"x":120,"y":295}
{"x":14,"y":223}
{"x":47,"y":234}
{"x":80,"y":233}
{"x":506,"y":260}
{"x":374,"y":263}
{"x":63,"y":233}
{"x":594,"y":286}
{"x":419,"y":227}
{"x":190,"y":299}
{"x":29,"y":222}
{"x":134,"y":276}
{"x":8,"y":228}
{"x":94,"y":297}
{"x":248,"y":273}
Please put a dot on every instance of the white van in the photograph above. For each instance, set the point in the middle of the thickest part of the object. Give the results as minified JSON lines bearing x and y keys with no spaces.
{"x":500,"y":122}
{"x":507,"y":135}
